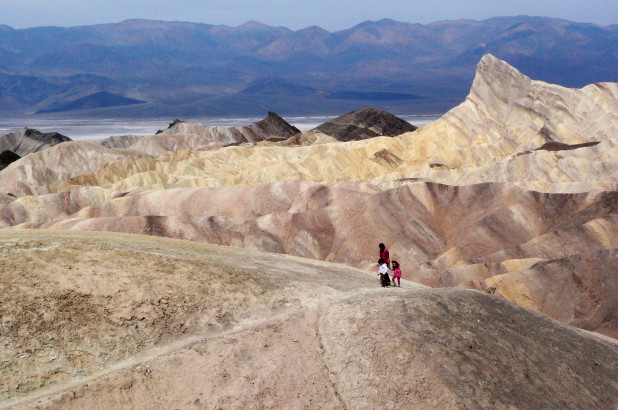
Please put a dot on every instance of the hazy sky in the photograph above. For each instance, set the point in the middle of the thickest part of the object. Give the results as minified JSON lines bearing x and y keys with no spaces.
{"x":330,"y":14}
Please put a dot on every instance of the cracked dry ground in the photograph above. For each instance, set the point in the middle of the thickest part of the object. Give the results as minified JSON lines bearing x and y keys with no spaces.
{"x":93,"y":320}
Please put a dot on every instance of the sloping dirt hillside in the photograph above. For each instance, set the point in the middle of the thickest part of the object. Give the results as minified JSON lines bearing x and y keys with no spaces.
{"x":93,"y":320}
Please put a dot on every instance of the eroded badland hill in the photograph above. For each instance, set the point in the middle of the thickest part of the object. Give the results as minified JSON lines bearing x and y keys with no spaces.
{"x":506,"y":208}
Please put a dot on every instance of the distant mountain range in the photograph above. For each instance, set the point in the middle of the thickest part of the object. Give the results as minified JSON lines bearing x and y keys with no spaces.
{"x":184,"y":69}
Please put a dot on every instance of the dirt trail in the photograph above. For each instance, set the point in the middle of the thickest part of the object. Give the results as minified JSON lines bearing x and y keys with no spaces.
{"x":315,"y":305}
{"x":105,"y":302}
{"x":118,"y":321}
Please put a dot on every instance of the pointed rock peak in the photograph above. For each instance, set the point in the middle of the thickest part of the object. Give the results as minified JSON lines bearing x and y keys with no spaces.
{"x":30,"y":132}
{"x":274,"y":125}
{"x":489,"y":59}
{"x":489,"y":62}
{"x":499,"y":77}
{"x":273,"y":115}
{"x":172,"y":127}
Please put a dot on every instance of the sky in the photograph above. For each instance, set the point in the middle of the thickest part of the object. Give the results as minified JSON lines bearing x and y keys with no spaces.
{"x":329,"y":14}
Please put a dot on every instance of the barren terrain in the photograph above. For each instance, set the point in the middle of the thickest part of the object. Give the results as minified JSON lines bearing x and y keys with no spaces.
{"x":506,"y":206}
{"x":511,"y":192}
{"x":96,"y":320}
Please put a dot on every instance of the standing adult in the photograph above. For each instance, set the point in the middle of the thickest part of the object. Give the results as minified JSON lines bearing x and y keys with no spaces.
{"x":385,"y":255}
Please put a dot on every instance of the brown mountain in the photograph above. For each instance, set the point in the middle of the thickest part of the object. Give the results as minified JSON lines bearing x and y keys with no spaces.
{"x":365,"y":123}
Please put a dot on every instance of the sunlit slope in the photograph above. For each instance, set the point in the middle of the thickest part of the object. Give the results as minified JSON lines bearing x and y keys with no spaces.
{"x":510,"y":128}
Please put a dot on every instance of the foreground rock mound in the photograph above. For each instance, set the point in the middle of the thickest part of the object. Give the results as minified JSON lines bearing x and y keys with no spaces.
{"x":197,"y":137}
{"x":365,"y":123}
{"x":179,"y":329}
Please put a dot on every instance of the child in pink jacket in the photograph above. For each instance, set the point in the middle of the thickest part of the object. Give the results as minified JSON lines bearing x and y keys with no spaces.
{"x":396,"y":274}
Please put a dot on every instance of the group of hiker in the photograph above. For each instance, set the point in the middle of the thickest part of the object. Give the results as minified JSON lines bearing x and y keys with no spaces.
{"x":384,"y":264}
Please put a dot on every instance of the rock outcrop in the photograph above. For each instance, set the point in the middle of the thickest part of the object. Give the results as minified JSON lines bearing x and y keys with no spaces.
{"x":42,"y":171}
{"x":26,"y":140}
{"x":6,"y":158}
{"x":365,"y":123}
{"x":197,"y":137}
{"x":508,"y":113}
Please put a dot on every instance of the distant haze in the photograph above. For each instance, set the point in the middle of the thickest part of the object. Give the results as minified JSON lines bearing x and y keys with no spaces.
{"x":160,"y":69}
{"x":329,"y":14}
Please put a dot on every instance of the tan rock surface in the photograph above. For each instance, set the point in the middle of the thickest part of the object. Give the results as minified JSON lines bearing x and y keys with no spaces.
{"x":41,"y":172}
{"x":180,"y":324}
{"x":120,"y":141}
{"x":580,"y":289}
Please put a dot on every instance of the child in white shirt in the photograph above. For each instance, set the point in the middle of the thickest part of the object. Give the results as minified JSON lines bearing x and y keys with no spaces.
{"x":383,"y":273}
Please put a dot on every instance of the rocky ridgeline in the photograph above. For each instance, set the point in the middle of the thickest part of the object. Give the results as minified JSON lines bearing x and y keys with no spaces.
{"x":182,"y":135}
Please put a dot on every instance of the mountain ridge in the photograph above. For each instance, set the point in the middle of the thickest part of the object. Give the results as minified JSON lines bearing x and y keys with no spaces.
{"x":173,"y":58}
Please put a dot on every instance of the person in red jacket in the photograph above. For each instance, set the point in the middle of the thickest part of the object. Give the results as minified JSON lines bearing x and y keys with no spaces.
{"x":384,"y":255}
